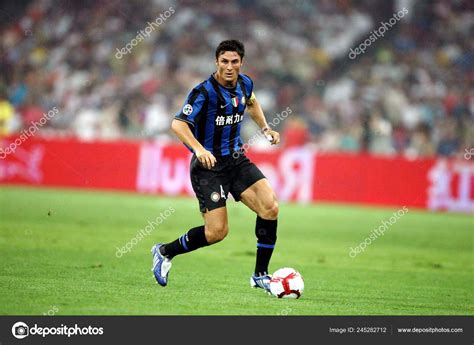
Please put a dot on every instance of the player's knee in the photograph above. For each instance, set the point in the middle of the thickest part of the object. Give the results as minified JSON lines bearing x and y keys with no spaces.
{"x":270,"y":210}
{"x":216,"y":232}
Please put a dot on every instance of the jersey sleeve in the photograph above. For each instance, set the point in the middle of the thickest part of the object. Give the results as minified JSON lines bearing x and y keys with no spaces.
{"x":248,"y":82}
{"x":192,"y":106}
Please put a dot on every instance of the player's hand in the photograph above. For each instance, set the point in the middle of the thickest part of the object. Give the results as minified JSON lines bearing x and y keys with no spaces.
{"x":273,"y":135}
{"x":206,"y":158}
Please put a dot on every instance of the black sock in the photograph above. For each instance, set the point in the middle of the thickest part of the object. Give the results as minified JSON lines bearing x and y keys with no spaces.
{"x":266,"y":238}
{"x":195,"y":238}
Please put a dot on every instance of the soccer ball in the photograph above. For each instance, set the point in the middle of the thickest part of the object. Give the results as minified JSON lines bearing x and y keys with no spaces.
{"x":287,"y":283}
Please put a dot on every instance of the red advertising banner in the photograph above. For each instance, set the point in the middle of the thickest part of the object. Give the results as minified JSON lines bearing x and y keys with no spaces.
{"x":297,"y":174}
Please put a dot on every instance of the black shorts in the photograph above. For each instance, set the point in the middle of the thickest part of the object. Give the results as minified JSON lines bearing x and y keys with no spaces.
{"x":230,"y":174}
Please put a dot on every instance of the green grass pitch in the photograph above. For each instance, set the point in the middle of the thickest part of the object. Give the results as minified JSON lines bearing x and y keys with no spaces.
{"x":57,"y":250}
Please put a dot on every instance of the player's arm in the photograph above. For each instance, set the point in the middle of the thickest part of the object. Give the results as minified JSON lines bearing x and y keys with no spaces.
{"x":256,"y":113}
{"x":182,"y":131}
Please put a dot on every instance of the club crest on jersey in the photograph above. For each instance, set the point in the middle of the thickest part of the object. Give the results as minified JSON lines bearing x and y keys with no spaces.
{"x":215,"y":197}
{"x":235,"y":102}
{"x":188,"y":109}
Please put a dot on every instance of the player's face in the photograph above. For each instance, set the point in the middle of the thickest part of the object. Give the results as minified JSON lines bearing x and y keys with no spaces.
{"x":228,"y":67}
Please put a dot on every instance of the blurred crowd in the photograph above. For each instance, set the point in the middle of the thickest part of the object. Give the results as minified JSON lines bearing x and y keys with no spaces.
{"x":410,"y":93}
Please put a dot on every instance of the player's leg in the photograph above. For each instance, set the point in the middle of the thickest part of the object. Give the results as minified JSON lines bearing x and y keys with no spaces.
{"x":215,"y":229}
{"x":211,"y":188}
{"x":216,"y":225}
{"x":251,"y":186}
{"x":261,"y":199}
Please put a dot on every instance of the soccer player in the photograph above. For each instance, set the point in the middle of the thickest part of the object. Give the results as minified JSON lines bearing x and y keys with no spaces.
{"x":209,"y":125}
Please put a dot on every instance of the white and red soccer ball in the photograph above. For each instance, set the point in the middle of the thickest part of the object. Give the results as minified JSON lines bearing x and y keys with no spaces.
{"x":287,"y":283}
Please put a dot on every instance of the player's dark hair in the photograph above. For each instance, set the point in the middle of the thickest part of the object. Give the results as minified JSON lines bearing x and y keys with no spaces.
{"x":230,"y":46}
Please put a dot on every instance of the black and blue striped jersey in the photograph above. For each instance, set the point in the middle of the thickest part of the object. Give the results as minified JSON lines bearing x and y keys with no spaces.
{"x":215,"y":114}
